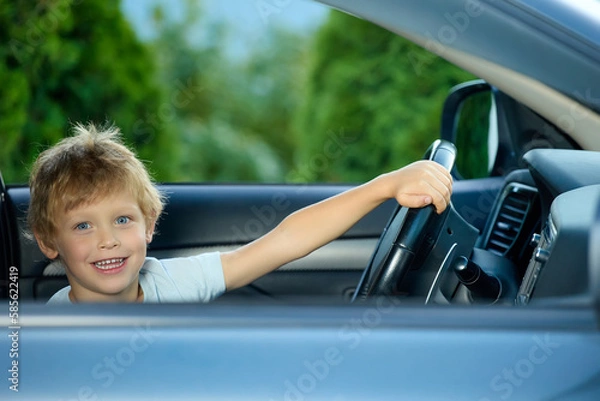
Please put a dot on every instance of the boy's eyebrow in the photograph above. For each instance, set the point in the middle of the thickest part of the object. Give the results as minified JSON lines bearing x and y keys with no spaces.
{"x":127,"y":211}
{"x":77,"y":214}
{"x":129,"y":207}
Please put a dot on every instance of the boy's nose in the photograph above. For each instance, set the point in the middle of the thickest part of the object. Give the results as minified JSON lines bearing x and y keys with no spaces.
{"x":108,"y":240}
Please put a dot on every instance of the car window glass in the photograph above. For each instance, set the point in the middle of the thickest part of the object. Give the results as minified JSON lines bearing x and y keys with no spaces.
{"x":207,"y":92}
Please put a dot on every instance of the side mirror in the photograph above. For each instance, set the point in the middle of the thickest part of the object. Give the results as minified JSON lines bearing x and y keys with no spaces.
{"x":469,"y":120}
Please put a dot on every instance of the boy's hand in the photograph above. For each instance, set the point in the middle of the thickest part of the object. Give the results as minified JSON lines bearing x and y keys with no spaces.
{"x":420,"y":184}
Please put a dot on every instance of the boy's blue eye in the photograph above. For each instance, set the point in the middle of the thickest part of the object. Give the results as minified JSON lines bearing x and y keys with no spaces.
{"x":122,"y":220}
{"x":82,"y":226}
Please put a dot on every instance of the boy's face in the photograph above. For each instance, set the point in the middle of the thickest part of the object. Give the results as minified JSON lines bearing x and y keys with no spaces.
{"x":103,"y":247}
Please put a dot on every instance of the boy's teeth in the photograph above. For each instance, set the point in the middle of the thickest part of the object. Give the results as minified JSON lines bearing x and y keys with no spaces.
{"x":108,"y":263}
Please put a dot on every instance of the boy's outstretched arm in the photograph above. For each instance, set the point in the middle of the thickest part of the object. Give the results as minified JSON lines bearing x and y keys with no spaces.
{"x":416,"y":185}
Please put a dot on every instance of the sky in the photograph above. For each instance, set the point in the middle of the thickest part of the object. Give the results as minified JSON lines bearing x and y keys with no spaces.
{"x":249,"y":20}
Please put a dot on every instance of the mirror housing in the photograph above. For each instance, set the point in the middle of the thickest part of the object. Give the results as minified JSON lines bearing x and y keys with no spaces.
{"x":469,"y":120}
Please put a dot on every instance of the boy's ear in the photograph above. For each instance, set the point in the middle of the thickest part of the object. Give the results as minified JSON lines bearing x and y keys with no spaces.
{"x":150,"y":231}
{"x":46,"y":249}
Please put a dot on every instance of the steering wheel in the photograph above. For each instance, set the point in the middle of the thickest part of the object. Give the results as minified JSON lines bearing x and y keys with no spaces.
{"x":407,"y":231}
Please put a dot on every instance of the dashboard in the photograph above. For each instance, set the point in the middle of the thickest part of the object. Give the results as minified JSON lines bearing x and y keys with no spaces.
{"x":542,"y":223}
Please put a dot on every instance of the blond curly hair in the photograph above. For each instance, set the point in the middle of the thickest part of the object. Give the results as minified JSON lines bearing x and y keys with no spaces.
{"x":83,"y":168}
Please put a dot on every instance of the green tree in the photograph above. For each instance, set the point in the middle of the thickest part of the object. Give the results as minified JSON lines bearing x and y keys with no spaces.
{"x":373,"y":102}
{"x":64,"y":61}
{"x":275,"y":75}
{"x":236,"y":123}
{"x":196,"y":75}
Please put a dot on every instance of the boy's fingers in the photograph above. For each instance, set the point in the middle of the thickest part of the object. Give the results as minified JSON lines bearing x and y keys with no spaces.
{"x":419,"y":201}
{"x":442,"y":204}
{"x":444,"y":176}
{"x":441,"y":190}
{"x":439,"y":195}
{"x":433,"y":186}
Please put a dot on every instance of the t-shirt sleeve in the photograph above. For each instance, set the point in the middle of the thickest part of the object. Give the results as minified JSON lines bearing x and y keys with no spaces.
{"x":191,"y":279}
{"x":60,"y":297}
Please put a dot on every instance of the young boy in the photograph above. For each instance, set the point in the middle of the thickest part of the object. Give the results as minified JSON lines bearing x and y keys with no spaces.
{"x":94,"y":209}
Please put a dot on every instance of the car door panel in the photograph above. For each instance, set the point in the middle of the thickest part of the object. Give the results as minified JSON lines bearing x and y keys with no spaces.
{"x":337,"y":352}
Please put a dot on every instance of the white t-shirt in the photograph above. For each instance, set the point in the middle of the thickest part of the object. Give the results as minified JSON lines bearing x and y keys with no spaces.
{"x":192,"y":279}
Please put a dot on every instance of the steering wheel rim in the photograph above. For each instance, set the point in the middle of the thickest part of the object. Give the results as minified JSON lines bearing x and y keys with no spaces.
{"x":403,"y":237}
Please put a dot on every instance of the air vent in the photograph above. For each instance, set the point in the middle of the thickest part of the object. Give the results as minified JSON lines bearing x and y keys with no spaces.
{"x":515,"y":203}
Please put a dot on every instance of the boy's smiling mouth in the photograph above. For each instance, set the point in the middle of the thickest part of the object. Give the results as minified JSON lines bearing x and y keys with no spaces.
{"x":110,"y":265}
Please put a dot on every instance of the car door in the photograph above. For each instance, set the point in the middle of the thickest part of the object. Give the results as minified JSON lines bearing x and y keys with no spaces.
{"x":378,"y":351}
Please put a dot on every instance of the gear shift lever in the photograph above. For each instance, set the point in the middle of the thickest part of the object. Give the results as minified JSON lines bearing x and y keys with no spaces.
{"x":482,"y":286}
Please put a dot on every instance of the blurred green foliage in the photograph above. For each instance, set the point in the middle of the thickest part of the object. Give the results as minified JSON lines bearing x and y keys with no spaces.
{"x":349,"y":103}
{"x":233,"y":117}
{"x":378,"y":92}
{"x":65,"y":61}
